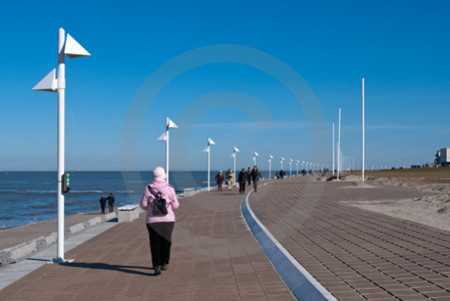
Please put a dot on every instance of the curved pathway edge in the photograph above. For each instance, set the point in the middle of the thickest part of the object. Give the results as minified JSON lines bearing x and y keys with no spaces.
{"x":302,"y":284}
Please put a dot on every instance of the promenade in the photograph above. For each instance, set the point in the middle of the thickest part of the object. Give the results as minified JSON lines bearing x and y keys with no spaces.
{"x":355,"y":254}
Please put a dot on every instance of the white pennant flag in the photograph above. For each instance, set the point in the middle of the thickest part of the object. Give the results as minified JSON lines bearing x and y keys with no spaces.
{"x":206,"y":150}
{"x":233,"y":155}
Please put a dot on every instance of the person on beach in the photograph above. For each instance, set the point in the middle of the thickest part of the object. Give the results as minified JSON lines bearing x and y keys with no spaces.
{"x":103,"y":203}
{"x":256,"y":176}
{"x":282,"y":174}
{"x":242,"y":179}
{"x":111,"y":202}
{"x":219,"y":180}
{"x":249,"y":176}
{"x":230,"y":179}
{"x":160,"y":228}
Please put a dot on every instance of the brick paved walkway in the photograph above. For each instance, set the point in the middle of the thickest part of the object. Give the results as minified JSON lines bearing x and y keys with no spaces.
{"x":214,"y":257}
{"x":356,"y":254}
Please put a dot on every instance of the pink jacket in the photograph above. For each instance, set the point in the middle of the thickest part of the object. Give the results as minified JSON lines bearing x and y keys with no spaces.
{"x":168,"y":193}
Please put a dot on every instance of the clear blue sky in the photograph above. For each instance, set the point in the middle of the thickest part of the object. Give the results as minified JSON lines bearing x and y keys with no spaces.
{"x":401,"y":48}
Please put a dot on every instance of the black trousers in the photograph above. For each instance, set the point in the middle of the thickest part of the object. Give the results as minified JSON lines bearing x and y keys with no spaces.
{"x":255,"y":185}
{"x":241,"y":187}
{"x":160,"y":235}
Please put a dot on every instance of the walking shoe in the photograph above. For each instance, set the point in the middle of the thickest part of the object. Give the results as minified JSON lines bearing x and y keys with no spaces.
{"x":157,"y":270}
{"x":164,"y":267}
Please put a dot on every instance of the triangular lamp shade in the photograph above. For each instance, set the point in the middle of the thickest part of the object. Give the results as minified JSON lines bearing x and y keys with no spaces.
{"x":73,"y":50}
{"x":48,"y":83}
{"x":163,"y":137}
{"x":235,"y":149}
{"x":171,"y":125}
{"x":210,"y":141}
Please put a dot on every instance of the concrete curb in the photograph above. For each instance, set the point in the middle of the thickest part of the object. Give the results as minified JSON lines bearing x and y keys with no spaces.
{"x":302,"y":284}
{"x":12,"y":254}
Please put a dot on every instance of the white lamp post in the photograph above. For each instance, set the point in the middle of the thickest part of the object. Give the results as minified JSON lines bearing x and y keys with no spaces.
{"x":255,"y":154}
{"x":290,"y":167}
{"x":298,"y":162}
{"x":282,"y":159}
{"x":270,"y":166}
{"x":208,"y":150}
{"x":165,"y":137}
{"x":66,"y":46}
{"x":235,"y":150}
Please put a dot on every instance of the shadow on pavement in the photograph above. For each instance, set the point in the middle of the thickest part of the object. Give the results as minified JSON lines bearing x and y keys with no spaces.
{"x":110,"y":267}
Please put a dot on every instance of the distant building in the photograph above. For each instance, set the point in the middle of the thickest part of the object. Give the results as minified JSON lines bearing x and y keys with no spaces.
{"x":443,"y":157}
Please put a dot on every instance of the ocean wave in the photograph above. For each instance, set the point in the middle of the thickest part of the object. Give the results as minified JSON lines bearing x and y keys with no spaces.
{"x":87,"y":191}
{"x":26,"y":191}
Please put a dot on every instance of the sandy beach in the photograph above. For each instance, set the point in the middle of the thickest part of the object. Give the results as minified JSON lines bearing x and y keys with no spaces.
{"x":430,"y":207}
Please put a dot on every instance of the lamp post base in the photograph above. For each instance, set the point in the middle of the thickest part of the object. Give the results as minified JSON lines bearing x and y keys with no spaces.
{"x":59,"y":261}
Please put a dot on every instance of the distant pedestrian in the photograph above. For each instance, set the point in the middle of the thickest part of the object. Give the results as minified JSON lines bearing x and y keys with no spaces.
{"x":219,"y":180}
{"x":230,"y":179}
{"x":242,"y":180}
{"x":282,"y":174}
{"x":256,"y":176}
{"x":277,"y":175}
{"x":103,"y":203}
{"x":160,"y":228}
{"x":249,"y":176}
{"x":111,"y":202}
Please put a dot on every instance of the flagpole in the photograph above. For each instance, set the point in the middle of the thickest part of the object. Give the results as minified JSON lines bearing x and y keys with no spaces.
{"x":333,"y":149}
{"x":339,"y":146}
{"x":363,"y":138}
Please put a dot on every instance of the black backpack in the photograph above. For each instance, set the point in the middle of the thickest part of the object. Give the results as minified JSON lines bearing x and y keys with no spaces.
{"x":159,"y":206}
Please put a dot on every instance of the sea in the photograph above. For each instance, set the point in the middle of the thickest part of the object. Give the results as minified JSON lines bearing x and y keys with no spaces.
{"x":31,"y":197}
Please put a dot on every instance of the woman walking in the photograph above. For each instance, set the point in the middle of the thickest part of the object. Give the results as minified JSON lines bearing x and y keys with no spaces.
{"x":160,"y":227}
{"x":230,"y":179}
